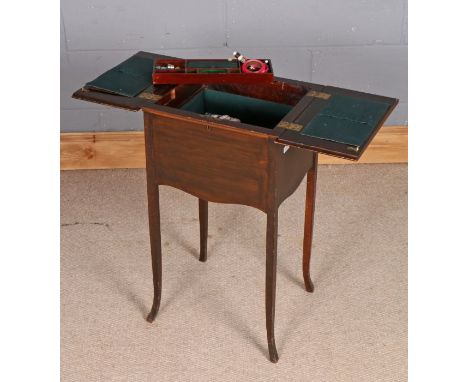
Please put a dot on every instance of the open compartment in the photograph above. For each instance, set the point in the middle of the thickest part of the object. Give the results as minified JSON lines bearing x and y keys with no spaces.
{"x":249,"y":110}
{"x":276,"y":91}
{"x":262,"y":105}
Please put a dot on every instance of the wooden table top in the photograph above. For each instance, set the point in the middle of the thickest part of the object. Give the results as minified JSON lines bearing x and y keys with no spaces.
{"x":308,"y":100}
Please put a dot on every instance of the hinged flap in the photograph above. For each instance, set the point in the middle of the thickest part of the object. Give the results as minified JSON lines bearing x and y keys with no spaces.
{"x":336,"y":121}
{"x":129,"y":78}
{"x":127,"y":85}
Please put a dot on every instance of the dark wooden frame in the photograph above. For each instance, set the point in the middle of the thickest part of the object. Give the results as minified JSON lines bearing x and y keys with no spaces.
{"x":226,"y":165}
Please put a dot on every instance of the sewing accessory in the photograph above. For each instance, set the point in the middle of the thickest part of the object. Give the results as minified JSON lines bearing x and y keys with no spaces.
{"x":249,"y":65}
{"x":224,"y":117}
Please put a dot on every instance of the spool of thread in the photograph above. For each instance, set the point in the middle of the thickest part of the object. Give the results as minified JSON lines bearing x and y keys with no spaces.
{"x":239,"y":57}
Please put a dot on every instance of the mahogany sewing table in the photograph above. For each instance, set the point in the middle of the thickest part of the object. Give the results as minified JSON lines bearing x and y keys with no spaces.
{"x":257,"y":162}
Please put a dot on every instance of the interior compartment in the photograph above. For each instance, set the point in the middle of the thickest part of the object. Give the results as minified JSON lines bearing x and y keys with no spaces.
{"x":212,"y":66}
{"x":276,"y":91}
{"x":177,"y":95}
{"x":249,"y":110}
{"x":196,"y":66}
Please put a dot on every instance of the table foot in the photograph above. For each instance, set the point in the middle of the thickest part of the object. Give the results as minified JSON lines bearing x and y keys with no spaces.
{"x":273,"y":352}
{"x":152,"y":315}
{"x":309,"y":285}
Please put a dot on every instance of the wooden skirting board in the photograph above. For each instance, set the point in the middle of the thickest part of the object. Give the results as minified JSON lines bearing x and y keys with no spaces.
{"x":105,"y":150}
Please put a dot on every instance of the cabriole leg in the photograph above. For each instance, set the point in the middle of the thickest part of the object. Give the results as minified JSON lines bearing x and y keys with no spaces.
{"x":270,"y":285}
{"x":309,"y":223}
{"x":203,"y":216}
{"x":155,"y":241}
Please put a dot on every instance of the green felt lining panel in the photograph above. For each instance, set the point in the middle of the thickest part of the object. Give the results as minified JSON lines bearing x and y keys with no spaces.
{"x":249,"y":110}
{"x":212,"y":64}
{"x":346,"y":119}
{"x":129,"y":78}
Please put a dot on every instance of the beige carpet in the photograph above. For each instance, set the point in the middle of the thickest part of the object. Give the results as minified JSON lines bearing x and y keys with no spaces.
{"x":211,"y":323}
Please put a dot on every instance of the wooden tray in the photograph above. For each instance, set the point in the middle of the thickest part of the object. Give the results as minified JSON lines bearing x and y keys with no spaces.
{"x":207,"y":71}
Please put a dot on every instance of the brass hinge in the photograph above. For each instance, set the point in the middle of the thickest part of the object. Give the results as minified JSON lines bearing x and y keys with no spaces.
{"x":150,"y":96}
{"x":290,"y":126}
{"x":321,"y":95}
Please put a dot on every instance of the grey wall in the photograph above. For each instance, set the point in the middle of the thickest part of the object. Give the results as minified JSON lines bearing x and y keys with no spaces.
{"x":358,"y":44}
